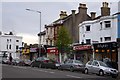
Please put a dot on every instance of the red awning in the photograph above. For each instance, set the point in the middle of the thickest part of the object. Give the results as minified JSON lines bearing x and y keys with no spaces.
{"x":52,"y":50}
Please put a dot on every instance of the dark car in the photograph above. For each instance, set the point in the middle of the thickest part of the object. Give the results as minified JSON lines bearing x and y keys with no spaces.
{"x":72,"y":65}
{"x":43,"y":62}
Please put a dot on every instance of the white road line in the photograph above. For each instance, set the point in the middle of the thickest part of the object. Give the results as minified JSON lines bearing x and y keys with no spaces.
{"x":52,"y":72}
{"x":73,"y":76}
{"x":20,"y":67}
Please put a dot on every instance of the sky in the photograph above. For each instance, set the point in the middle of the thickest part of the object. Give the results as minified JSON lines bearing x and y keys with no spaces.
{"x":15,"y":17}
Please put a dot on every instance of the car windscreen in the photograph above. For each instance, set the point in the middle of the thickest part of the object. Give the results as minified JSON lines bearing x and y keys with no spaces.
{"x":103,"y":64}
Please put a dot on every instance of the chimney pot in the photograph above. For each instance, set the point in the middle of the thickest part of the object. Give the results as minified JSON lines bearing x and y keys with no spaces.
{"x":93,"y":15}
{"x":105,"y":10}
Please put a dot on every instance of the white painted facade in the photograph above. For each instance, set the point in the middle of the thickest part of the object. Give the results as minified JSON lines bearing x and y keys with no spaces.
{"x":10,"y":44}
{"x":98,"y":31}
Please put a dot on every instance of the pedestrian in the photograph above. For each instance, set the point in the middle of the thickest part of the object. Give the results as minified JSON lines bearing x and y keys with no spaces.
{"x":10,"y":58}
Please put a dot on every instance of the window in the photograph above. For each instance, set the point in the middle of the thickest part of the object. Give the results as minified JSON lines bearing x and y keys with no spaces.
{"x":107,"y":38}
{"x":88,"y":41}
{"x":10,"y":46}
{"x":101,"y":39}
{"x":107,"y":24}
{"x":95,"y":63}
{"x":17,"y":40}
{"x":88,"y":28}
{"x":100,"y":25}
{"x":17,"y":47}
{"x":51,"y":30}
{"x":10,"y":40}
{"x":7,"y":40}
{"x":50,"y":42}
{"x":7,"y":46}
{"x":90,"y":62}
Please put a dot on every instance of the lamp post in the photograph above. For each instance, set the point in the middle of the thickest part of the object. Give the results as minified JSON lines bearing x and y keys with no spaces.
{"x":39,"y":54}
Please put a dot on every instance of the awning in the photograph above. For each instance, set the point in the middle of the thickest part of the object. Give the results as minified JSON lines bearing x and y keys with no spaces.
{"x":52,"y":50}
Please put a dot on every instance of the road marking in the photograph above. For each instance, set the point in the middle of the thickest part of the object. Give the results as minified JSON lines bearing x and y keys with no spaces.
{"x":20,"y":67}
{"x":73,"y":76}
{"x":52,"y":72}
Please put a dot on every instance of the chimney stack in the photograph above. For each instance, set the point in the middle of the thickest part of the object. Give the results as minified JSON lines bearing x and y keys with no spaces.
{"x":63,"y":14}
{"x":82,"y":8}
{"x":105,"y":10}
{"x":93,"y":15}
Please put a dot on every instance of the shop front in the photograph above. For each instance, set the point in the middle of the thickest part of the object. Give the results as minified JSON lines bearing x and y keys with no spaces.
{"x":106,"y":51}
{"x":52,"y":53}
{"x":33,"y":53}
{"x":25,"y":54}
{"x":82,"y":52}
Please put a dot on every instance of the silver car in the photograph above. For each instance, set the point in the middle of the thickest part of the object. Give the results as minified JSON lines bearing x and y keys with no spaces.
{"x":99,"y":67}
{"x":72,"y":65}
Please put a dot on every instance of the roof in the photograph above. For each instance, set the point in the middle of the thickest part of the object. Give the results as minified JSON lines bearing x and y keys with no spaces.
{"x":42,"y":33}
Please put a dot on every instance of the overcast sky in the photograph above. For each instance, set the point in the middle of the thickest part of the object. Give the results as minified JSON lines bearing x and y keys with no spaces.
{"x":25,"y":23}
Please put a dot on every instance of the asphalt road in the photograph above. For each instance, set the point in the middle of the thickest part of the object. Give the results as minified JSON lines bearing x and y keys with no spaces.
{"x":10,"y":71}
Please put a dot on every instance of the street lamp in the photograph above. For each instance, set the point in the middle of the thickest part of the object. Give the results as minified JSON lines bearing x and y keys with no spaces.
{"x":40,"y":30}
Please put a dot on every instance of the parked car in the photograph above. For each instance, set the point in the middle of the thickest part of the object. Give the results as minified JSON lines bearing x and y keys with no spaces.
{"x":27,"y":62}
{"x":100,"y":68}
{"x":18,"y":62}
{"x":72,"y":65}
{"x":5,"y":61}
{"x":43,"y":62}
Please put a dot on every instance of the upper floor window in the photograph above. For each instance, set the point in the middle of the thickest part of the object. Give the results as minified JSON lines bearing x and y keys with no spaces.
{"x":107,"y":24}
{"x":17,"y":40}
{"x":100,"y":25}
{"x":50,"y":42}
{"x":101,"y":39}
{"x":7,"y":40}
{"x":10,"y":46}
{"x":10,"y":40}
{"x":17,"y":47}
{"x":88,"y":28}
{"x":88,"y":41}
{"x":7,"y":46}
{"x":107,"y":38}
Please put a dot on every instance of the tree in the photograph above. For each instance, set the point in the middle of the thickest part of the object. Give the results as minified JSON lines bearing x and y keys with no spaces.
{"x":63,"y":41}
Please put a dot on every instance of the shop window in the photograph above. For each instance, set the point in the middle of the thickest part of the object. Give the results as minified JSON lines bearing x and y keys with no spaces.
{"x":88,"y":28}
{"x":107,"y":38}
{"x":88,"y":41}
{"x":107,"y":24}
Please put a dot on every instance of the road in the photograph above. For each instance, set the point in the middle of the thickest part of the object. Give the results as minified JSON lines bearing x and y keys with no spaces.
{"x":10,"y":71}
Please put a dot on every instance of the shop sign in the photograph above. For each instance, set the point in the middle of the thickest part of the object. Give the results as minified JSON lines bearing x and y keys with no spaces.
{"x":105,"y":45}
{"x":82,"y":47}
{"x":25,"y":51}
{"x":33,"y":49}
{"x":52,"y":50}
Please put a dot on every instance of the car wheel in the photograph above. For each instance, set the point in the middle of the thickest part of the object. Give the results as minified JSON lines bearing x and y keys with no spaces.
{"x":31,"y":65}
{"x":114,"y":76}
{"x":101,"y":73}
{"x":71,"y":69}
{"x":86,"y":71}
